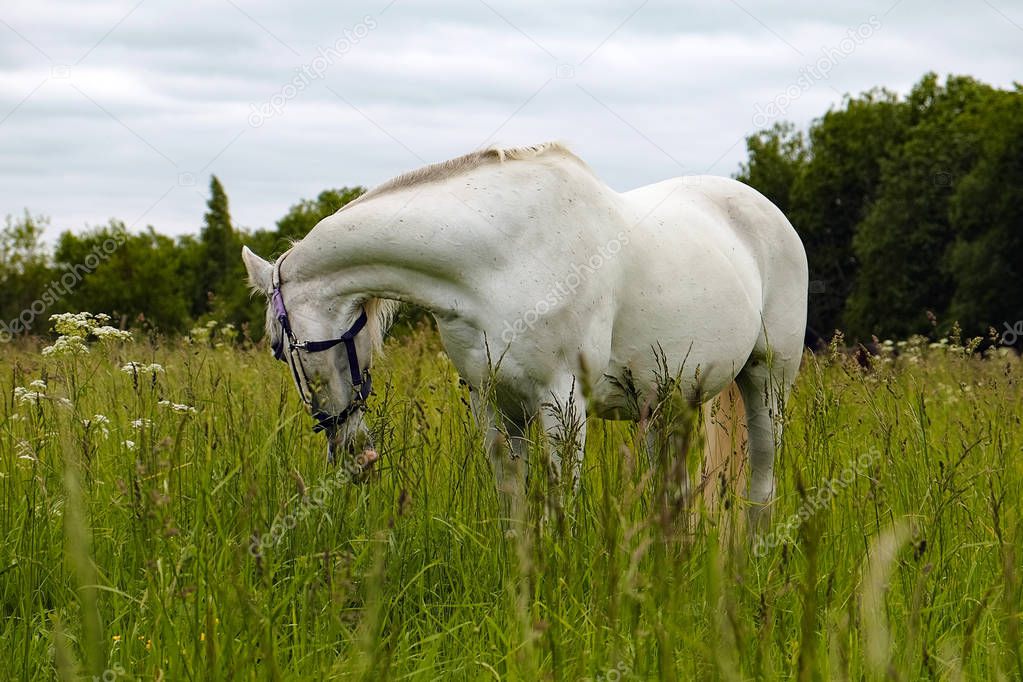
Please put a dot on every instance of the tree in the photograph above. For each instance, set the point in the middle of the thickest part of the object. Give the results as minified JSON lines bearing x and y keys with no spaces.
{"x":217,"y":256}
{"x":138,"y":279}
{"x":835,"y":191}
{"x":986,"y":210}
{"x":25,"y":277}
{"x":901,"y":244}
{"x":777,"y":157}
{"x":303,"y":216}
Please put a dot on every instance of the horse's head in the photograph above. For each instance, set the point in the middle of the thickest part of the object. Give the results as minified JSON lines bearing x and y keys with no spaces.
{"x":328,"y":345}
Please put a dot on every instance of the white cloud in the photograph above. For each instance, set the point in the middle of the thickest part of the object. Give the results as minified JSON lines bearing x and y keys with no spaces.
{"x":167,"y":93}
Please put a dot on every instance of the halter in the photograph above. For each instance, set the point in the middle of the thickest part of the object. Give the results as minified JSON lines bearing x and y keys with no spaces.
{"x":361,"y":381}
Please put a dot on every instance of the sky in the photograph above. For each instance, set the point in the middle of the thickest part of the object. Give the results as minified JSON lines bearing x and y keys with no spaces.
{"x":123,"y":109}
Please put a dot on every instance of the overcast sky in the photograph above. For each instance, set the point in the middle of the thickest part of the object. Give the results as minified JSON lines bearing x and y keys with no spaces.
{"x":123,"y":109}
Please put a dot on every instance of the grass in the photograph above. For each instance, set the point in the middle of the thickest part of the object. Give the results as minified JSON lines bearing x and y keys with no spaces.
{"x":220,"y":545}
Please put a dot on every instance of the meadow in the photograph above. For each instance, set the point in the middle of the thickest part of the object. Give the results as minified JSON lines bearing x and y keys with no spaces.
{"x":167,"y":514}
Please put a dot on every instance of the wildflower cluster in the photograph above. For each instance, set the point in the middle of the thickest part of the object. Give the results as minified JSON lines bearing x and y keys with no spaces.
{"x":24,"y":396}
{"x":139,"y":369}
{"x":177,"y":407}
{"x":100,"y":423}
{"x":140,"y":424}
{"x":67,"y":345}
{"x":213,"y":333}
{"x":76,"y":328}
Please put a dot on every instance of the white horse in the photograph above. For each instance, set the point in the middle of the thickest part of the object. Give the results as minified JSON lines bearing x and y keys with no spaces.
{"x":543,"y":280}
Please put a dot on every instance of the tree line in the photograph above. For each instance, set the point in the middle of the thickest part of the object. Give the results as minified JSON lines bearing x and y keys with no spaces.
{"x":910,"y":207}
{"x":147,"y":281}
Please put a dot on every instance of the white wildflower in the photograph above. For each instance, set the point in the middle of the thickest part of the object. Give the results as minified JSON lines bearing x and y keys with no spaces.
{"x":137,"y":368}
{"x":73,"y":324}
{"x":199,"y":334}
{"x":23,"y":396}
{"x":98,"y":421}
{"x":107,"y":333}
{"x":67,"y":345}
{"x":75,"y":328}
{"x":178,"y":407}
{"x":38,"y":385}
{"x":129,"y":444}
{"x":141,"y":423}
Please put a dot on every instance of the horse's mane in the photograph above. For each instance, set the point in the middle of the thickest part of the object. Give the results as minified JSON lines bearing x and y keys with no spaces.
{"x":460,"y":164}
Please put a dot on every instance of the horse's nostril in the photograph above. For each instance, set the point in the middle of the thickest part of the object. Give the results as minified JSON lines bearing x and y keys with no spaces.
{"x":367,"y":458}
{"x":362,"y":465}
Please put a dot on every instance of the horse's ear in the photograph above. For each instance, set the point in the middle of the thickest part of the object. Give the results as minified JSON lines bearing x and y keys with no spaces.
{"x":260,"y":271}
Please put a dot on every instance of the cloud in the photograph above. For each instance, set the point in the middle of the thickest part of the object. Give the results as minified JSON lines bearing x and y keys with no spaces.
{"x":123,"y":109}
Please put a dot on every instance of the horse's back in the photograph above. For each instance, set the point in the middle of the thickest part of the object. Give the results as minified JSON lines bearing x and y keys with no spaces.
{"x":733,"y":218}
{"x":719,"y":208}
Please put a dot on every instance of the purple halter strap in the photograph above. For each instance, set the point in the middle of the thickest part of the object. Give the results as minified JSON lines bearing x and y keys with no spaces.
{"x":360,"y":380}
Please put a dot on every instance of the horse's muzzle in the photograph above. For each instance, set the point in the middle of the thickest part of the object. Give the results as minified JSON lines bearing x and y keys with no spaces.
{"x":358,"y":466}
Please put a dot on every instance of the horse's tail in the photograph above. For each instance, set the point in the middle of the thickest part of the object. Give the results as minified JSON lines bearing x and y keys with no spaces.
{"x":725,"y":442}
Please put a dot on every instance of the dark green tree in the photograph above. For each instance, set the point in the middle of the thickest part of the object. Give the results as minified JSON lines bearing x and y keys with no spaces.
{"x":138,"y":279}
{"x":834,"y":192}
{"x":986,"y":259}
{"x":217,"y":257}
{"x":777,"y":157}
{"x":25,"y":277}
{"x":304,"y":215}
{"x":901,"y":243}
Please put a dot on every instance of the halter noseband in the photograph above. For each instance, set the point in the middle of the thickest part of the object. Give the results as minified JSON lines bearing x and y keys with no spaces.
{"x":360,"y":380}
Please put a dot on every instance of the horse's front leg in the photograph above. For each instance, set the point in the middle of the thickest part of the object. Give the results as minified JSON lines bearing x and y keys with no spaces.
{"x":508,"y":450}
{"x":563,"y":418}
{"x":667,"y":453}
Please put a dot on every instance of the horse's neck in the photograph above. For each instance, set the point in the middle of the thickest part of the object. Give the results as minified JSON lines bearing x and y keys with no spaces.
{"x":442,"y":244}
{"x":415,"y":245}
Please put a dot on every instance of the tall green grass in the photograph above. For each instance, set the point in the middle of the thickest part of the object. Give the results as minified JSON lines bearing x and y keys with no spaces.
{"x":220,"y":545}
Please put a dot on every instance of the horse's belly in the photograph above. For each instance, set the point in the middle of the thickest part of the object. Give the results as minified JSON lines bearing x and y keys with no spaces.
{"x":702,"y":337}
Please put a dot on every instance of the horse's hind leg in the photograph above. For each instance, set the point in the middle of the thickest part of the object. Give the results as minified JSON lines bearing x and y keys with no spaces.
{"x":764,"y":383}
